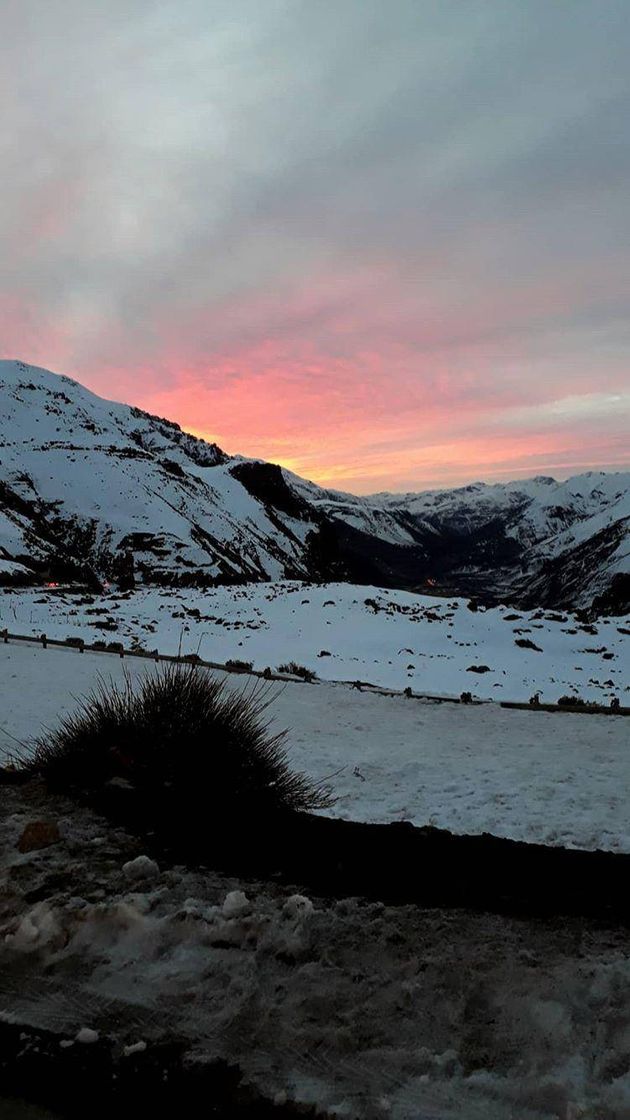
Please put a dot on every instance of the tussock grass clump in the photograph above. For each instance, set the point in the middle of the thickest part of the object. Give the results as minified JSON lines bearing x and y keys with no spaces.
{"x":296,"y":670}
{"x":178,"y":749}
{"x":574,"y":702}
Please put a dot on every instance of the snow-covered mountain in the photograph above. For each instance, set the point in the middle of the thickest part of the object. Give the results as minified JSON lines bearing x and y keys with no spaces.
{"x":89,"y":487}
{"x":94,"y":490}
{"x":533,"y":542}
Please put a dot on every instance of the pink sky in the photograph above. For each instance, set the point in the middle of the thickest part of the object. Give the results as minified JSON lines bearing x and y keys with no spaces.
{"x":389,"y":417}
{"x":385,"y":245}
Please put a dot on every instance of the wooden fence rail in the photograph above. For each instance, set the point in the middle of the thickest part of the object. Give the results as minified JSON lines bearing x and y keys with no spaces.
{"x":118,"y":650}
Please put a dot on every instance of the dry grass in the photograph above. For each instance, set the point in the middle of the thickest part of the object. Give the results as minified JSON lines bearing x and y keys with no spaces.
{"x":178,"y":744}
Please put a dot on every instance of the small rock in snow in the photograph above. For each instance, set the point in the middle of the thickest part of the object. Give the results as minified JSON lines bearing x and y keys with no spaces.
{"x":66,"y":1043}
{"x":135,"y":1048}
{"x":119,"y":783}
{"x":141,"y":868}
{"x":236,"y":905}
{"x":37,"y":928}
{"x":297,"y":907}
{"x":38,"y":834}
{"x":86,"y":1035}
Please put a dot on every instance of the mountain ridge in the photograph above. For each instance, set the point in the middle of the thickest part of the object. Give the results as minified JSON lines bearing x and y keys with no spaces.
{"x":96,"y":490}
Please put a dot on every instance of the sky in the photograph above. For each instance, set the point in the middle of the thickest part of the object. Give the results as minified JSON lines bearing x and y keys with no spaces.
{"x":385,"y":243}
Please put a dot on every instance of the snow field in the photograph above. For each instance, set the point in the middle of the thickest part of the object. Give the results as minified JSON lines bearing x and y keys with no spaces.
{"x":345,"y":632}
{"x":372,"y":1012}
{"x":553,"y":778}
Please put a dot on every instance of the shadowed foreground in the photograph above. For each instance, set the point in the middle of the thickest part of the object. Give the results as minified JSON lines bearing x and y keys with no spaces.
{"x":369,"y":1009}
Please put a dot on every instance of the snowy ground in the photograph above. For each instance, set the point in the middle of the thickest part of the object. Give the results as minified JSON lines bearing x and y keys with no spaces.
{"x":372,"y":1012}
{"x":555,"y":778}
{"x":344,"y":632}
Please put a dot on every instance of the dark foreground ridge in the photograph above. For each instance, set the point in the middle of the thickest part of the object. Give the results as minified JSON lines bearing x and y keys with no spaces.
{"x":395,"y":864}
{"x":429,"y":867}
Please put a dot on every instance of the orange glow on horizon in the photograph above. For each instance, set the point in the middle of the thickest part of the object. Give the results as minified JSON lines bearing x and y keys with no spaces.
{"x":401,"y":411}
{"x":438,"y":466}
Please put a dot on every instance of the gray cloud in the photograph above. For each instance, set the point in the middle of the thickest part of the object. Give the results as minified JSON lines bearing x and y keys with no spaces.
{"x":440,"y":173}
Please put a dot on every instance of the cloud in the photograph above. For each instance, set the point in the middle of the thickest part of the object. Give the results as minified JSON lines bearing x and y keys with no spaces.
{"x":302,"y":227}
